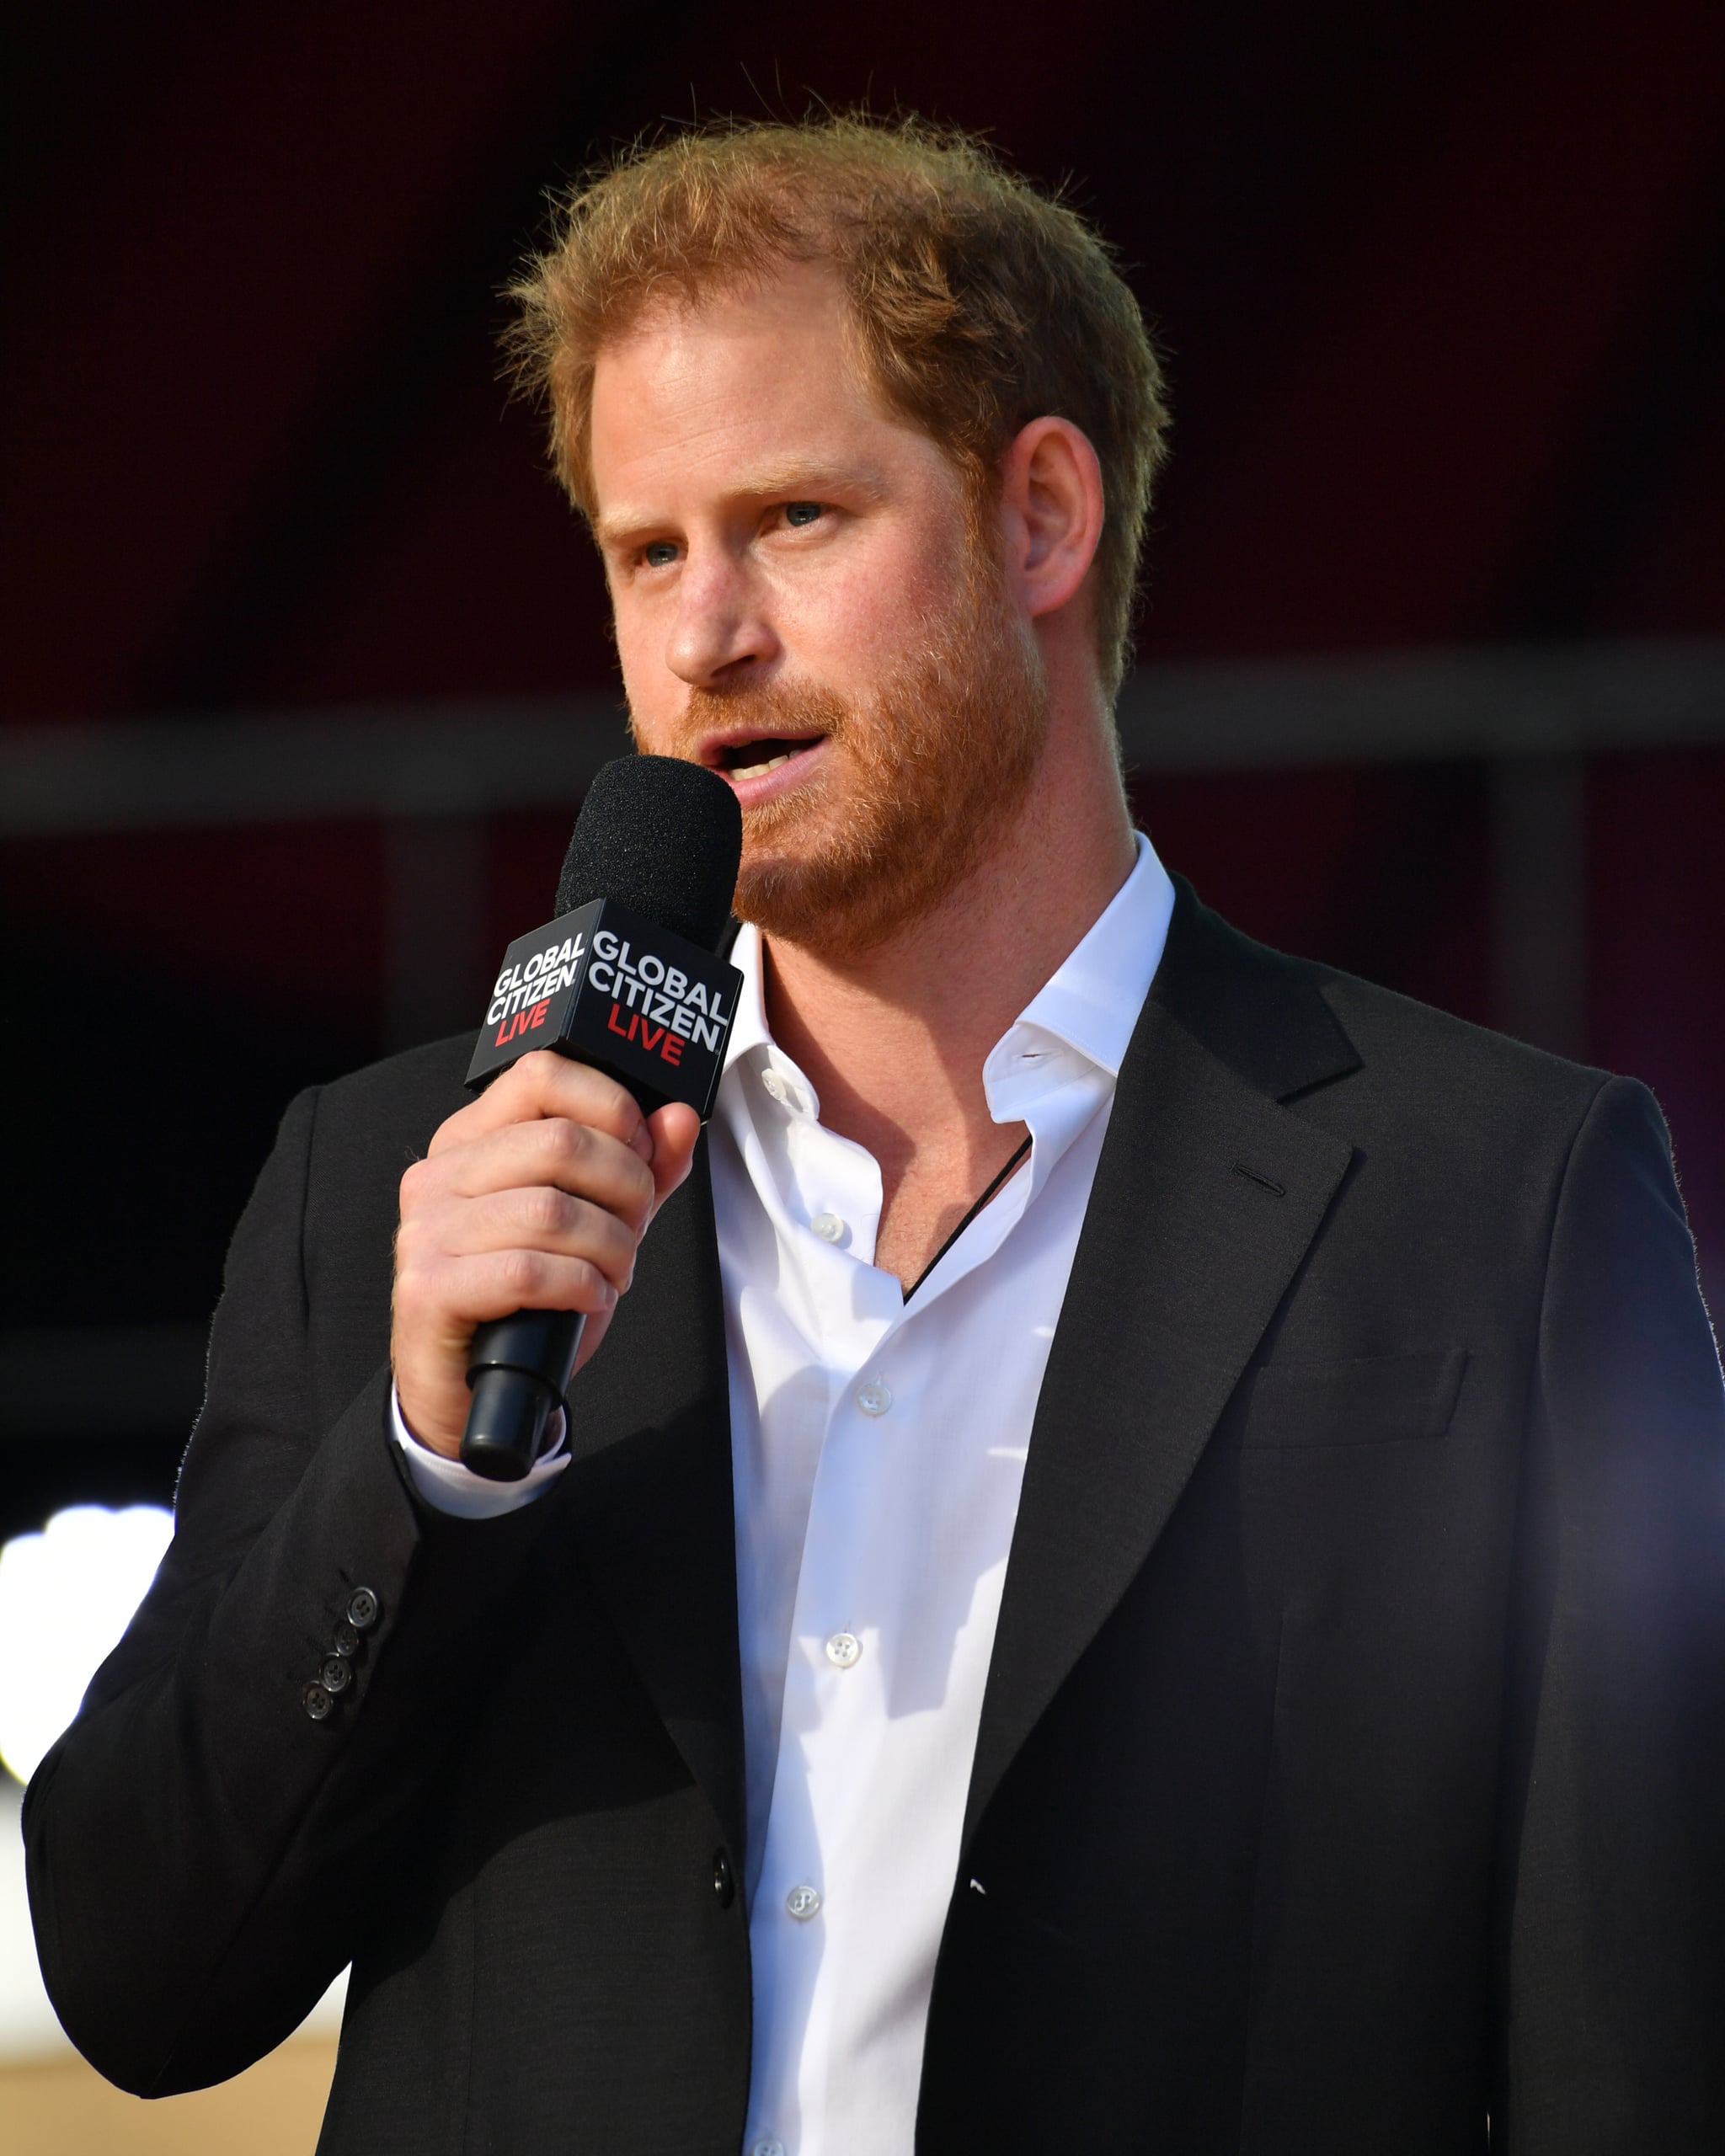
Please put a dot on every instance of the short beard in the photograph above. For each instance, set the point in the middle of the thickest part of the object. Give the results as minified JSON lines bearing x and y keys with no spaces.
{"x":922,"y":778}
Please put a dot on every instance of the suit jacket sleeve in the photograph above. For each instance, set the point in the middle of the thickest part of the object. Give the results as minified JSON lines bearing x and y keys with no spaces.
{"x":202,"y":1855}
{"x":1614,"y":1868}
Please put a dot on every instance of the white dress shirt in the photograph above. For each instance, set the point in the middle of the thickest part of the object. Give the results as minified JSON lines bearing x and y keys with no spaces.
{"x":878,"y":1448}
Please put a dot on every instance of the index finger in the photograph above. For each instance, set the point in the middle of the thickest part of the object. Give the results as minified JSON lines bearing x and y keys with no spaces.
{"x":545,"y":1084}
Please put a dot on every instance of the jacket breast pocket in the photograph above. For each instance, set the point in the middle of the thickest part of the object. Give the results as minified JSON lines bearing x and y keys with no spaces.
{"x":1375,"y":1400}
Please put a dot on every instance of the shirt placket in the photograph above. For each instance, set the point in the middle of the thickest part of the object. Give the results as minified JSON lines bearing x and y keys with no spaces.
{"x":829,"y":1206}
{"x":835,"y":1703}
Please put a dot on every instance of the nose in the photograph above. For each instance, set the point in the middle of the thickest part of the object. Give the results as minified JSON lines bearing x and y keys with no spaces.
{"x":720,"y":631}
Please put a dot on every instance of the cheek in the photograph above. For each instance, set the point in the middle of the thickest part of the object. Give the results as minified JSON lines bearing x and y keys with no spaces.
{"x":863,"y":614}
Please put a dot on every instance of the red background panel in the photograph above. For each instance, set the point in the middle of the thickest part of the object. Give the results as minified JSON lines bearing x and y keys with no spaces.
{"x":1442,"y":291}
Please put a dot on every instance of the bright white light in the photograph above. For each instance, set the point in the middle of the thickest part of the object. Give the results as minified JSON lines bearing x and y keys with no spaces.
{"x":65,"y":1596}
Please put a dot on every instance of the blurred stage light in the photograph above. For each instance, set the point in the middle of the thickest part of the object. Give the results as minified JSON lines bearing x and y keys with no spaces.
{"x":65,"y":1596}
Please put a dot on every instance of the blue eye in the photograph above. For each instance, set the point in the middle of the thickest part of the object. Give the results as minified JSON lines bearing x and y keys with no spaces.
{"x":799,"y":513}
{"x":658,"y":553}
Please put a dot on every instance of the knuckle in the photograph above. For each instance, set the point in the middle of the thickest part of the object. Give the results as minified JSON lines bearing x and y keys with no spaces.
{"x":526,"y":1073}
{"x":544,"y":1210}
{"x":627,"y":1117}
{"x":521,"y":1272}
{"x":412,"y":1293}
{"x":419,"y":1253}
{"x":605,"y":1104}
{"x":567,"y":1142}
{"x":413,"y":1184}
{"x":413,"y":1232}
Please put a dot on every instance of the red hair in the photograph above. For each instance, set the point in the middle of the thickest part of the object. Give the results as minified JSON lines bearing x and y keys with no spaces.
{"x":978,"y":303}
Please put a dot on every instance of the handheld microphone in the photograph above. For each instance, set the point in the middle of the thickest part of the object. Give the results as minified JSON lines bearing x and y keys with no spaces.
{"x":625,"y":978}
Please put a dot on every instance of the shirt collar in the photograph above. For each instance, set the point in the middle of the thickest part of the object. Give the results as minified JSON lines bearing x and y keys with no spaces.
{"x":748,"y":1026}
{"x":1092,"y":1001}
{"x":1090,"y":1004}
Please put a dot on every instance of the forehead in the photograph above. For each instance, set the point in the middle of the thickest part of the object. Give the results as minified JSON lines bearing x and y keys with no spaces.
{"x":759,"y":377}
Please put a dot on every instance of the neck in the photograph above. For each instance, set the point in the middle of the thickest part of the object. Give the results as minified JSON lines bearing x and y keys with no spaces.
{"x":894,"y":1040}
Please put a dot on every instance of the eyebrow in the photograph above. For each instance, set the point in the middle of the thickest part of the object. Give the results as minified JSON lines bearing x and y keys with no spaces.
{"x":795,"y":479}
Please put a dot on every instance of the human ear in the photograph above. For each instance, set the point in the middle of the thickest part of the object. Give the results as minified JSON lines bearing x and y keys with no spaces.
{"x":1050,"y":510}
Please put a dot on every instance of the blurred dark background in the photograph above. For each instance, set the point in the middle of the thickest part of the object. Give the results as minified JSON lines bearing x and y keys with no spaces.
{"x":305,"y":663}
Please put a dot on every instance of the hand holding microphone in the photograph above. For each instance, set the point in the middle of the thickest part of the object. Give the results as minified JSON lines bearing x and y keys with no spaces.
{"x":520,"y":1228}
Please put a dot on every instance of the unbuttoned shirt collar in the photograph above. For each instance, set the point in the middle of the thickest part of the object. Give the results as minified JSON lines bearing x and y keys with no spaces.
{"x":1051,"y":1070}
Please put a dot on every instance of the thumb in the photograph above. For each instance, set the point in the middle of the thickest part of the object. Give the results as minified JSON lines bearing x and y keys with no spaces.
{"x":675,"y":1129}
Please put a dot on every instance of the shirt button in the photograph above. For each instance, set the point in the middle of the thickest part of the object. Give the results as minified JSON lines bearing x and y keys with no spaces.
{"x":724,"y":1886}
{"x":767,"y":2146}
{"x":843,"y":1649}
{"x":875,"y":1397}
{"x":827,"y":1226}
{"x":802,"y":1903}
{"x":775,"y":1085}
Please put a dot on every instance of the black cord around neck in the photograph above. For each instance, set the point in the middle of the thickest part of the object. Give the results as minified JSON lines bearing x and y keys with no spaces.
{"x":964,"y":1223}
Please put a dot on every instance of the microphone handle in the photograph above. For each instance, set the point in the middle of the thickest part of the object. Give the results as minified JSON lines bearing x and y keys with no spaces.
{"x":519,"y":1369}
{"x":519,"y":1373}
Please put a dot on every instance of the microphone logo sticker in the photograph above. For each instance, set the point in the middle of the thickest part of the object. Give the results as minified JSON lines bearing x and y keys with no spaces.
{"x":621,"y":992}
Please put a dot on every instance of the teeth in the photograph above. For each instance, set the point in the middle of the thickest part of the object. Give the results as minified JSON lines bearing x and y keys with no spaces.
{"x":755,"y":770}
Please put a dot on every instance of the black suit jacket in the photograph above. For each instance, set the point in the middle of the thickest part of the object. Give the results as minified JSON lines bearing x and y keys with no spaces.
{"x":1350,"y":1765}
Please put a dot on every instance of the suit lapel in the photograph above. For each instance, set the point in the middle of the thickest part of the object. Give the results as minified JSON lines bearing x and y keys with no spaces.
{"x":1206,"y":1198}
{"x":649,"y":1495}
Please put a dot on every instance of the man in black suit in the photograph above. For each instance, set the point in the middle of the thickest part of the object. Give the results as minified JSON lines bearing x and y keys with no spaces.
{"x":1137,"y":1560}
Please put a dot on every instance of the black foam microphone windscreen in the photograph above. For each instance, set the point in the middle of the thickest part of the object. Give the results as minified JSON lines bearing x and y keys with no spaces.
{"x":660,"y":837}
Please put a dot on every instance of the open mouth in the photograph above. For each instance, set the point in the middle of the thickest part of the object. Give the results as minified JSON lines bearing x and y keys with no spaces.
{"x":756,"y":758}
